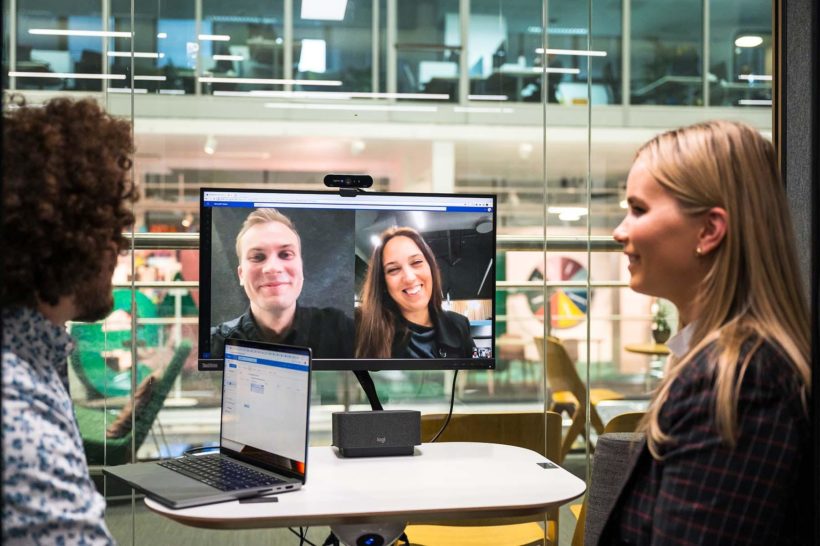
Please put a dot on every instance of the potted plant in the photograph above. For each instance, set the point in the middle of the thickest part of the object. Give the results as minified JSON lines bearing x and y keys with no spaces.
{"x":661,"y":330}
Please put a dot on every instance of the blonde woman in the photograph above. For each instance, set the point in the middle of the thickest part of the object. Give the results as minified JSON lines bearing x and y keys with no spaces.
{"x":727,"y":454}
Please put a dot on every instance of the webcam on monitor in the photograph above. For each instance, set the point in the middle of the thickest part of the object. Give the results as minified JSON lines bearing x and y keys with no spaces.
{"x":352,"y":181}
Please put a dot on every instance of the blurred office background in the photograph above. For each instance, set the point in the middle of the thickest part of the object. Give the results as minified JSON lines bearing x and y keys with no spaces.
{"x":540,"y":102}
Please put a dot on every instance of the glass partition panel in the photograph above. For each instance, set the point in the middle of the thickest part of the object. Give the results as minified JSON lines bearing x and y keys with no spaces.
{"x":578,"y":55}
{"x":59,"y":46}
{"x":740,"y":53}
{"x":241,"y":47}
{"x":667,"y":53}
{"x":334,"y":41}
{"x":163,"y":57}
{"x":427,"y":47}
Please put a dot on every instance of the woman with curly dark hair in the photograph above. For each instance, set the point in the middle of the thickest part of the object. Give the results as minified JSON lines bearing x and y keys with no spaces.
{"x":66,"y":201}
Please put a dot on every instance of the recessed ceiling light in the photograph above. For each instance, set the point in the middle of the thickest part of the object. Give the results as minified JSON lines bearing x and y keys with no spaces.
{"x":579,"y":52}
{"x":66,"y":75}
{"x":748,"y":41}
{"x":61,"y":32}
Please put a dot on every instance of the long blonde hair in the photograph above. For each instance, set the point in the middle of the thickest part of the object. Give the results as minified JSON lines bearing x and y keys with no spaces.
{"x":752,"y":290}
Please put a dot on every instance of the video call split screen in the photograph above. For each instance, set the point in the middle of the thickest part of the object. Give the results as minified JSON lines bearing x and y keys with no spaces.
{"x":379,"y":280}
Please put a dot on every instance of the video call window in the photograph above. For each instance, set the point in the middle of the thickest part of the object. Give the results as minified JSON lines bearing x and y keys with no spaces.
{"x":375,"y":281}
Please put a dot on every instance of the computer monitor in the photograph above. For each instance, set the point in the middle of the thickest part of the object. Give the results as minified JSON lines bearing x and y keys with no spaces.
{"x":298,"y":267}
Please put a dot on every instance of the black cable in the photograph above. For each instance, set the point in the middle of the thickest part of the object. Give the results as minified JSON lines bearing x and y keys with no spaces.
{"x":449,"y":413}
{"x":369,"y":389}
{"x":302,"y":538}
{"x":331,"y":540}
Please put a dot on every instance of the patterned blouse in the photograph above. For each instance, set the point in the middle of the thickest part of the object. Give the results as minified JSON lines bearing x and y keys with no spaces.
{"x":48,"y":496}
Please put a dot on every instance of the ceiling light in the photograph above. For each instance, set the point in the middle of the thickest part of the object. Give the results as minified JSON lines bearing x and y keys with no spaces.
{"x":485,"y":225}
{"x":210,"y":145}
{"x":214,"y":37}
{"x":579,"y":52}
{"x":568,"y":214}
{"x":331,"y":95}
{"x":375,"y":240}
{"x":482,"y":110}
{"x":228,"y":58}
{"x":269,"y":81}
{"x":569,"y":217}
{"x":357,"y":146}
{"x":623,"y":204}
{"x":136,"y":54}
{"x":416,"y":96}
{"x":354,"y":107}
{"x":553,"y":70}
{"x":151,"y":78}
{"x":67,"y":75}
{"x":128,"y":90}
{"x":99,"y":33}
{"x":162,"y":35}
{"x":487,"y":97}
{"x":755,"y":102}
{"x":313,"y":56}
{"x":525,"y":150}
{"x":324,"y":10}
{"x":748,"y":41}
{"x":753,"y":77}
{"x":566,"y":31}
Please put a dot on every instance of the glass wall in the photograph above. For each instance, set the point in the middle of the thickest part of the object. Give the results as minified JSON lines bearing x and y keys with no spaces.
{"x":451,"y":96}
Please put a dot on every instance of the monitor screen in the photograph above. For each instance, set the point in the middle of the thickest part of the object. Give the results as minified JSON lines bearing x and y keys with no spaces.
{"x":375,"y":281}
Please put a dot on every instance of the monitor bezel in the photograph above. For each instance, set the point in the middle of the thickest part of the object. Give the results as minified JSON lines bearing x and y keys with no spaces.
{"x":335,"y":364}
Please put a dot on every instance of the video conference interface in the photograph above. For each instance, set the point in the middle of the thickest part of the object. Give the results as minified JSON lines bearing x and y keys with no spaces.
{"x":297,"y":268}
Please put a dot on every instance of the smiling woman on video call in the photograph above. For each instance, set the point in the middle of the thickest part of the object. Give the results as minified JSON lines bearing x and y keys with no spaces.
{"x":401,"y":314}
{"x":728,"y":443}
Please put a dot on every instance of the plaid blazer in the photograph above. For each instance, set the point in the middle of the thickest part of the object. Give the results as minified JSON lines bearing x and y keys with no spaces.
{"x":705,"y":492}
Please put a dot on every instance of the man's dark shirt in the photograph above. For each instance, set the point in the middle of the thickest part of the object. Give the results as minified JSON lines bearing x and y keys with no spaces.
{"x":327,"y":331}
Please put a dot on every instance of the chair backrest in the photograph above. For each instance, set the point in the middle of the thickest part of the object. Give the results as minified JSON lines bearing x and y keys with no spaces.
{"x":613,"y":453}
{"x":145,"y":418}
{"x":93,"y":423}
{"x":624,"y":422}
{"x":537,"y":431}
{"x":561,"y":372}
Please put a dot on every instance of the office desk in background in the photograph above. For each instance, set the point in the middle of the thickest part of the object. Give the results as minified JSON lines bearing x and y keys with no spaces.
{"x":452,"y":480}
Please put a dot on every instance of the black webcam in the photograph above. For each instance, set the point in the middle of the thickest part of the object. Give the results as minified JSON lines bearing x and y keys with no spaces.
{"x":350,"y":181}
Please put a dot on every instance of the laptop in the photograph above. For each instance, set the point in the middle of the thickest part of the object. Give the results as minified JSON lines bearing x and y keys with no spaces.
{"x":263,"y":440}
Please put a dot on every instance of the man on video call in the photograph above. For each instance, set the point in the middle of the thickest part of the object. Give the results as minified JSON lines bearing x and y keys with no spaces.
{"x":270,"y":270}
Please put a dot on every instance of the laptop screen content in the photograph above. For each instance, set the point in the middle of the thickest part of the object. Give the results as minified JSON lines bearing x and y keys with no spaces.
{"x":265,"y":397}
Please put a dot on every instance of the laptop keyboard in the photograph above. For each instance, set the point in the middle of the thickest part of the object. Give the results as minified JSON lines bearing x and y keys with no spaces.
{"x":219,"y":472}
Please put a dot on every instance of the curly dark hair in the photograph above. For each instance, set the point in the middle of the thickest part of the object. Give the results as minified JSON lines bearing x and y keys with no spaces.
{"x":66,"y":196}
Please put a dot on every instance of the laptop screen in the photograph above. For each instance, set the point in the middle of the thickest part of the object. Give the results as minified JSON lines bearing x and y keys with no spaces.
{"x":265,"y":405}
